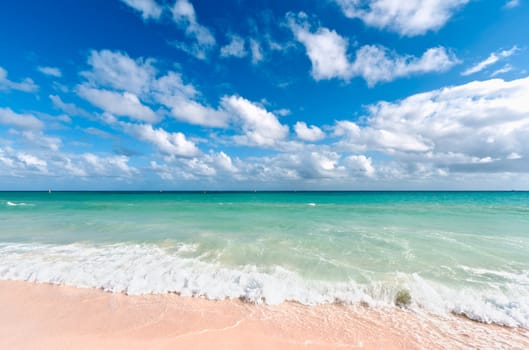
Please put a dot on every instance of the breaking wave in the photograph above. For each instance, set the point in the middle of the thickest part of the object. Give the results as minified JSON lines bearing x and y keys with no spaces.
{"x":151,"y":268}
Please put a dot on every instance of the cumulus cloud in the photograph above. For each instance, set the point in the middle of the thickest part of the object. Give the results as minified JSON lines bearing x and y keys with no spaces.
{"x":479,"y":126}
{"x":39,"y":161}
{"x":138,"y":84}
{"x":172,"y":84}
{"x":22,"y":121}
{"x":116,"y":70}
{"x":106,"y":166}
{"x":88,"y":165}
{"x":32,"y":161}
{"x":172,"y":144}
{"x":235,"y":48}
{"x":68,"y":108}
{"x":492,"y":59}
{"x":40,"y":140}
{"x":21,"y":163}
{"x":210,"y":166}
{"x":408,"y":18}
{"x":124,"y":104}
{"x":261,"y":128}
{"x":51,"y":71}
{"x":147,"y":8}
{"x":360,"y":164}
{"x":26,"y":85}
{"x":195,"y":113}
{"x":328,"y":53}
{"x":307,"y":166}
{"x":308,"y":133}
{"x":377,"y":64}
{"x":185,"y":17}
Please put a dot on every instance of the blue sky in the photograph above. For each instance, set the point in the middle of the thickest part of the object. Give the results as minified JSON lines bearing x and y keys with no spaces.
{"x":301,"y":95}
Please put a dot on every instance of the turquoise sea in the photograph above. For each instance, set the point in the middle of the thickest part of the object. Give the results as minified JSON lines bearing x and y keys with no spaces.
{"x":454,"y":252}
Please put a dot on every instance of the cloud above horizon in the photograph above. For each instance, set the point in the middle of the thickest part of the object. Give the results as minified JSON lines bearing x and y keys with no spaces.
{"x":479,"y":126}
{"x":408,"y":18}
{"x":328,"y":53}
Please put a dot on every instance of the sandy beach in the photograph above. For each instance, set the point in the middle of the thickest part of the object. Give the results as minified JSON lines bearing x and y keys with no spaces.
{"x":43,"y":316}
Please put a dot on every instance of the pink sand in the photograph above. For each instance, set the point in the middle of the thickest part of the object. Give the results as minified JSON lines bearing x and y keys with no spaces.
{"x":42,"y":316}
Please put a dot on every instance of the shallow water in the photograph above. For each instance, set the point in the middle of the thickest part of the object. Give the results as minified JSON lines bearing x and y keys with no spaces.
{"x":455,"y":252}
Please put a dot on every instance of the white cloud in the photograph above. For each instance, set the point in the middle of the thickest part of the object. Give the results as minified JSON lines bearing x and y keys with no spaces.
{"x":222,"y":161}
{"x":116,"y":70}
{"x":316,"y":167}
{"x":408,"y":18}
{"x":308,"y":133}
{"x":261,"y":127}
{"x":22,"y":121}
{"x":21,"y":163}
{"x":171,"y":84}
{"x":512,"y":4}
{"x":184,"y":15}
{"x":478,"y":126}
{"x":363,"y":139}
{"x":40,"y":161}
{"x":360,"y":164}
{"x":68,"y":108}
{"x":124,"y":104}
{"x":235,"y":48}
{"x":51,"y":71}
{"x":93,"y":165}
{"x":377,"y":64}
{"x":327,"y":51}
{"x":7,"y":161}
{"x":209,"y":166}
{"x":321,"y":165}
{"x":257,"y":53}
{"x":42,"y":141}
{"x":107,"y":166}
{"x":170,"y":91}
{"x":32,"y":161}
{"x":26,"y":85}
{"x":493,"y":58}
{"x":195,"y":113}
{"x":282,"y":112}
{"x":138,"y":79}
{"x":171,"y":144}
{"x":148,"y":8}
{"x":505,"y":69}
{"x":295,"y":166}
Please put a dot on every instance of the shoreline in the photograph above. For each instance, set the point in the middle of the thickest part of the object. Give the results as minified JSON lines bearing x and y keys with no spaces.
{"x":45,"y":316}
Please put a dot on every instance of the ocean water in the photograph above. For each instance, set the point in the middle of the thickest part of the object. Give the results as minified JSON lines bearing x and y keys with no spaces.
{"x":454,"y":252}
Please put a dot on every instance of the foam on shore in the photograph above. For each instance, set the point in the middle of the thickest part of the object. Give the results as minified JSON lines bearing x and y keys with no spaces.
{"x":137,"y":269}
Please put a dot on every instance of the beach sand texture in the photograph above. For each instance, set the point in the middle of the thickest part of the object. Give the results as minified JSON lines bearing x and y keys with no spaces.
{"x":43,"y":316}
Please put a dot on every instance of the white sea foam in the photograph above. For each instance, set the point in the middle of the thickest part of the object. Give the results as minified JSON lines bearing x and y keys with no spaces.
{"x":149,"y":268}
{"x":311,"y":204}
{"x":13,"y":204}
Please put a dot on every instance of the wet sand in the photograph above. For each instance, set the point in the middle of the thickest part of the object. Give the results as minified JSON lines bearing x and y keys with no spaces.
{"x":43,"y":316}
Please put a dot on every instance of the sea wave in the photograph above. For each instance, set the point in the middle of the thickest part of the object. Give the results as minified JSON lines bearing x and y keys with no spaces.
{"x":21,"y":204}
{"x":151,"y":268}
